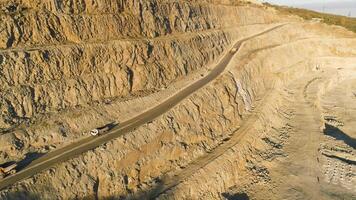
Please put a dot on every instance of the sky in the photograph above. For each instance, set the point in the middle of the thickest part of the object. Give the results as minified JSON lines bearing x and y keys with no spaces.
{"x":340,"y":7}
{"x":301,"y":2}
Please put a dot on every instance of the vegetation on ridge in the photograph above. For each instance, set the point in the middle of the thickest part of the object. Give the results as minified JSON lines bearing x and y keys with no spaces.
{"x":347,"y":22}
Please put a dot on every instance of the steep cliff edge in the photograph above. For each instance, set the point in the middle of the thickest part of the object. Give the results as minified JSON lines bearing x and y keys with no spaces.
{"x":69,"y":66}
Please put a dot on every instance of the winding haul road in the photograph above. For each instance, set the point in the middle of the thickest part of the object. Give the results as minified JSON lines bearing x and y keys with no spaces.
{"x":77,"y":148}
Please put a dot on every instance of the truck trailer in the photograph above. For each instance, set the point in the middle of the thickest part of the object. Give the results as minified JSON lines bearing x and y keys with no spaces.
{"x":99,"y":131}
{"x":6,"y":171}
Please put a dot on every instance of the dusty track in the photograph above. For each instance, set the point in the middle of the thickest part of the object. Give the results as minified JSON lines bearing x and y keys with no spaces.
{"x":86,"y":144}
{"x":301,"y":167}
{"x":172,"y":180}
{"x":306,"y":173}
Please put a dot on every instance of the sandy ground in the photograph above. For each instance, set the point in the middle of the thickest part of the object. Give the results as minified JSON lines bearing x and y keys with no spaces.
{"x":320,"y":151}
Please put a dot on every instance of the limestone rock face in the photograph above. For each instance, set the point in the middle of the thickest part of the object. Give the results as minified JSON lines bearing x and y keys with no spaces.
{"x":69,"y":66}
{"x":58,"y":55}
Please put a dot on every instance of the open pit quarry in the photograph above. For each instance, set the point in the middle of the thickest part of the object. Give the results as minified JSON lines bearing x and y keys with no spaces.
{"x":212,"y":99}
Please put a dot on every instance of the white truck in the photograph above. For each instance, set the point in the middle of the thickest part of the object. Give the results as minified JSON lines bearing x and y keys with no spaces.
{"x":233,"y":50}
{"x":6,"y":171}
{"x":102,"y":130}
{"x":99,"y":131}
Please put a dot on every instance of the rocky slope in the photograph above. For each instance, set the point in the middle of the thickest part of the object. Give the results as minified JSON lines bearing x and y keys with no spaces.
{"x":67,"y":57}
{"x":69,"y":66}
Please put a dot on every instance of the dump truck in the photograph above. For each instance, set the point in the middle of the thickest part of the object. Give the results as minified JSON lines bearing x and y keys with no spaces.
{"x":99,"y":131}
{"x":233,"y":50}
{"x":102,"y":130}
{"x":6,"y":171}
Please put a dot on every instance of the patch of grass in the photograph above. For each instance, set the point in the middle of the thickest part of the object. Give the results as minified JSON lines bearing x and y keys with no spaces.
{"x":347,"y":22}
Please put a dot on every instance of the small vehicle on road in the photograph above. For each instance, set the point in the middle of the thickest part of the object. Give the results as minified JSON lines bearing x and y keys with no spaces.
{"x":94,"y":132}
{"x":233,"y":50}
{"x":6,"y":171}
{"x":98,"y":131}
{"x":102,"y":130}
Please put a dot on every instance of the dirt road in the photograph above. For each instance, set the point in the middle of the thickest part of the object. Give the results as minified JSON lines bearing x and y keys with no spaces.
{"x":308,"y":172}
{"x":320,"y":150}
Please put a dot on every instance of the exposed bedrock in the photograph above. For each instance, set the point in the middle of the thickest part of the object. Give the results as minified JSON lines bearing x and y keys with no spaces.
{"x":69,"y":66}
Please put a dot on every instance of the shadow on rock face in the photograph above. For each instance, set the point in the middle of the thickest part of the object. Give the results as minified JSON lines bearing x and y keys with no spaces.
{"x":237,"y":196}
{"x":29,"y":157}
{"x":339,"y":135}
